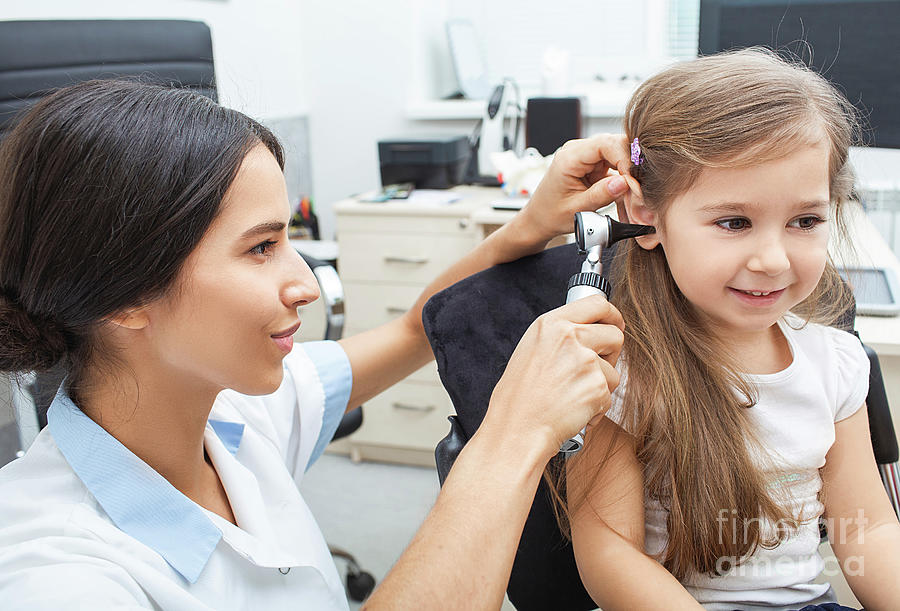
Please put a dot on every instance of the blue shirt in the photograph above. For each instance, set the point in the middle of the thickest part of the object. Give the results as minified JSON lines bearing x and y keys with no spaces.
{"x":112,"y":531}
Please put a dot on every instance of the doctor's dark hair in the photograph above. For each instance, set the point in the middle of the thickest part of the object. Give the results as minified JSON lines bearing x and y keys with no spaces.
{"x":685,"y":398}
{"x":105,"y":189}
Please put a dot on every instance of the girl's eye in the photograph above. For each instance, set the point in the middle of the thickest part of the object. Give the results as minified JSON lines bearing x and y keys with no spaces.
{"x":263,"y":248}
{"x":733,"y":224}
{"x":807,"y":223}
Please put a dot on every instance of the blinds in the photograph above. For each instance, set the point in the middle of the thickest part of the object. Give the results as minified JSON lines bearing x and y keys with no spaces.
{"x":684,"y":21}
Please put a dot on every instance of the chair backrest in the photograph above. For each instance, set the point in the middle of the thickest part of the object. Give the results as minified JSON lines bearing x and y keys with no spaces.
{"x":37,"y":57}
{"x":473,"y":327}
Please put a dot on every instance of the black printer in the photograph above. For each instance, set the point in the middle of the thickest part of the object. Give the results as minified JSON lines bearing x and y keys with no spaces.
{"x":428,"y":163}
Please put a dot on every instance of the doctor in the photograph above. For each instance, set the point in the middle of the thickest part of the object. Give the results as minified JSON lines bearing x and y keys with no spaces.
{"x":144,"y":247}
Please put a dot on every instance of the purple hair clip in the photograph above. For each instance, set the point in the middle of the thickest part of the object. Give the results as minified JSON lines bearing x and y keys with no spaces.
{"x":636,"y":155}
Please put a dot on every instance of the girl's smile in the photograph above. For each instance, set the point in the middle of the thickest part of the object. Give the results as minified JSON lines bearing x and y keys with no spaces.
{"x":757,"y":298}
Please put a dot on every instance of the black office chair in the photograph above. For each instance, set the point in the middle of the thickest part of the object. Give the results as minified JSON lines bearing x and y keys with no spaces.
{"x":473,"y":327}
{"x":37,"y":57}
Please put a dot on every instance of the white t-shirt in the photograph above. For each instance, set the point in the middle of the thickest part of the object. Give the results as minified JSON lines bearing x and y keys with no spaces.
{"x":827,"y":381}
{"x":85,"y":524}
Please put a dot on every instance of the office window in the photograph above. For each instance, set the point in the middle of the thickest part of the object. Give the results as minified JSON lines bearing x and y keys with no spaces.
{"x":684,"y":19}
{"x":608,"y":38}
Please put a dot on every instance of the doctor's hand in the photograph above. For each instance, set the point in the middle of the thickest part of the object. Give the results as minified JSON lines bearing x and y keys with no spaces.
{"x":560,"y":376}
{"x":581,"y":178}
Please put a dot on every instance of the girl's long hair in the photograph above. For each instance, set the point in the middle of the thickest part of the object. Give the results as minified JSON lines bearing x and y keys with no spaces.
{"x":685,"y":399}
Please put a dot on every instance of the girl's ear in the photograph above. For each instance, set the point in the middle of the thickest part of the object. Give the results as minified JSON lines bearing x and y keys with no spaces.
{"x":639,"y":213}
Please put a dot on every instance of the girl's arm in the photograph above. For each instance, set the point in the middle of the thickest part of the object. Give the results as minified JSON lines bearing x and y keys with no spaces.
{"x":578,"y":179}
{"x":862,"y":527}
{"x":608,"y":529}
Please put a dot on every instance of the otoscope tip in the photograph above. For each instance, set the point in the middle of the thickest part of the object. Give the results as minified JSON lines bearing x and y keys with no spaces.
{"x":620,"y":231}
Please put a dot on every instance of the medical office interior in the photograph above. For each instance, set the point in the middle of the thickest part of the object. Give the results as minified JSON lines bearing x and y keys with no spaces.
{"x":379,"y":106}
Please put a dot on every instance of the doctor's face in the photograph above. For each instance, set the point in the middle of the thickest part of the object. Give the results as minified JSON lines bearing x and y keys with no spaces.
{"x":229,"y":323}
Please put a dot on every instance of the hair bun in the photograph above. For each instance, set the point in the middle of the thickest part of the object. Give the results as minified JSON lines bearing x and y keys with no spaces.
{"x":27,"y":342}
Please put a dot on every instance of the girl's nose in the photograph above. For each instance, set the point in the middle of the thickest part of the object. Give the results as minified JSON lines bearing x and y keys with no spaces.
{"x":769,"y":257}
{"x":301,"y":286}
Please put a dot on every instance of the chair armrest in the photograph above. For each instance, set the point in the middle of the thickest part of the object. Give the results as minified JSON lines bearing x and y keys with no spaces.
{"x":881,"y":426}
{"x":448,"y":449}
{"x":332,"y":295}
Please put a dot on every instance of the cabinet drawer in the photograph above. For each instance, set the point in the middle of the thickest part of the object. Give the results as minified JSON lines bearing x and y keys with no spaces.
{"x":416,"y":224}
{"x":410,"y":415}
{"x":399,"y":258}
{"x":368,"y":304}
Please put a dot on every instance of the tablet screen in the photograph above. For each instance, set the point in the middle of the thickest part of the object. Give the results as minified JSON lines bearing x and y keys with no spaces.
{"x":869,"y":286}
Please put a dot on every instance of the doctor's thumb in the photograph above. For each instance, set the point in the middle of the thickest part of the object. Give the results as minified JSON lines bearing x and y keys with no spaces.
{"x":604,"y":192}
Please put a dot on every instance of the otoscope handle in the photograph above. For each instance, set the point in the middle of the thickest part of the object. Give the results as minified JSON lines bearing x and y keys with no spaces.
{"x":583,"y":284}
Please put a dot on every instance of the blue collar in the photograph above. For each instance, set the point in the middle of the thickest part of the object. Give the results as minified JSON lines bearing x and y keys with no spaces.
{"x":138,"y":500}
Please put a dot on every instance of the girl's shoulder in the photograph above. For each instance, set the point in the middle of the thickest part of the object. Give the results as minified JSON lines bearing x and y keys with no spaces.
{"x":838,"y":360}
{"x":822,"y":340}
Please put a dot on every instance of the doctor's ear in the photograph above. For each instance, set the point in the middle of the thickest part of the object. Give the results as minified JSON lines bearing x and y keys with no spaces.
{"x":639,"y":213}
{"x":134,"y":319}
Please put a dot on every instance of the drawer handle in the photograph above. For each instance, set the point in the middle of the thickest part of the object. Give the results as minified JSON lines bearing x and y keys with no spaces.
{"x":413,"y":408}
{"x":396,"y":310}
{"x":412,"y":260}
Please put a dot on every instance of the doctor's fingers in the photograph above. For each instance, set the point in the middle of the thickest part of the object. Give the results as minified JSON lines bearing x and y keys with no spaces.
{"x":581,"y":158}
{"x":599,"y":173}
{"x":605,"y":191}
{"x":592,"y":309}
{"x":591,"y":387}
{"x":603,"y":340}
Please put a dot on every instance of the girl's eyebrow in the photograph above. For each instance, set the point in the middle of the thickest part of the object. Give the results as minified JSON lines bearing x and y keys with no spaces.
{"x":726,"y":207}
{"x":267,"y":227}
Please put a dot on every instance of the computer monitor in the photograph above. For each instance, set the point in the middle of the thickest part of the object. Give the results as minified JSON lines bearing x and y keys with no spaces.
{"x":855,"y":44}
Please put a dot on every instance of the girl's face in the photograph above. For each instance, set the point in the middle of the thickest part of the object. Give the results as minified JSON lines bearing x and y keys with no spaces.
{"x":745,"y":245}
{"x":239,"y":289}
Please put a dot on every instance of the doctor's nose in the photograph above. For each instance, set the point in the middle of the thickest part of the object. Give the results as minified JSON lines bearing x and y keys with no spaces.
{"x":770,"y":257}
{"x":301,"y":286}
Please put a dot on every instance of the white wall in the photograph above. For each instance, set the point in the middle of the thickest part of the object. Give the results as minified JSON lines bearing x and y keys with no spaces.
{"x":363,"y":63}
{"x":352,"y":67}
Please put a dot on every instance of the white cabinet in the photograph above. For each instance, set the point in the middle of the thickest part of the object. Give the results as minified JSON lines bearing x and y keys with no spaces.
{"x":388,"y":253}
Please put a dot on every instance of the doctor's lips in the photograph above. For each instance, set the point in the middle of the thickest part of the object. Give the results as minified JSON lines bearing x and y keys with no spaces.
{"x":285,"y":339}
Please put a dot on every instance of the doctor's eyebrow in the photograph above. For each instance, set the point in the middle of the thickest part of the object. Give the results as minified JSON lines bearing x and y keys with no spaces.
{"x":268,"y":227}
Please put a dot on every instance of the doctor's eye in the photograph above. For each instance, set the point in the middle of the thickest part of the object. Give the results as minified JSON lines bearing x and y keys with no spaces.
{"x":807,"y":223}
{"x":263,"y":248}
{"x":734,"y":224}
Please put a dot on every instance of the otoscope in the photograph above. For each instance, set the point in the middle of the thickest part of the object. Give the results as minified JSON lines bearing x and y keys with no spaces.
{"x":593,"y":233}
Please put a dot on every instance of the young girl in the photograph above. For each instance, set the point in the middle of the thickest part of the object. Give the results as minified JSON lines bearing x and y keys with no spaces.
{"x":143,"y":248}
{"x":740,"y":418}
